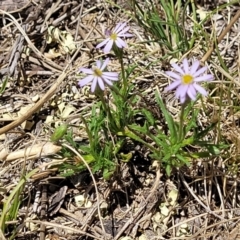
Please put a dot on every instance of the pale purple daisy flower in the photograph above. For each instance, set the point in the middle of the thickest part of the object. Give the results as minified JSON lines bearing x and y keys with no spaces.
{"x":97,"y":76}
{"x":186,"y":80}
{"x":114,"y":37}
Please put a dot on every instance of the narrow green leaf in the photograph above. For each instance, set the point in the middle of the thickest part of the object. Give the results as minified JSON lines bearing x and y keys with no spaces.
{"x":168,"y":117}
{"x":201,"y":134}
{"x":183,"y":159}
{"x":138,"y":128}
{"x":149,"y":116}
{"x":168,"y":169}
{"x":4,"y":84}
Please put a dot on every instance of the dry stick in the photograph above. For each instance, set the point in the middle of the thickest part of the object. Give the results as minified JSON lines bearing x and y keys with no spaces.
{"x":56,"y":225}
{"x":220,"y":38}
{"x":198,"y":200}
{"x":80,"y":31}
{"x":44,"y":201}
{"x":79,"y":20}
{"x":48,"y":94}
{"x":141,"y":208}
{"x":49,"y":13}
{"x":36,"y":107}
{"x":17,"y":10}
{"x":31,"y":45}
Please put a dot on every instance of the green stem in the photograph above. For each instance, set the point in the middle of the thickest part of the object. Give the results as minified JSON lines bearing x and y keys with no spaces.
{"x":181,"y":122}
{"x":107,"y":111}
{"x":90,"y":137}
{"x":119,"y":54}
{"x":104,"y":103}
{"x":123,"y":77}
{"x":129,"y":133}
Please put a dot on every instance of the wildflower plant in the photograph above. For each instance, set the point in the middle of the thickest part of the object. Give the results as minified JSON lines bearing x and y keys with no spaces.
{"x":171,"y":148}
{"x":99,"y":153}
{"x":114,"y":38}
{"x":98,"y":76}
{"x":186,"y":80}
{"x":108,"y":117}
{"x":112,"y":119}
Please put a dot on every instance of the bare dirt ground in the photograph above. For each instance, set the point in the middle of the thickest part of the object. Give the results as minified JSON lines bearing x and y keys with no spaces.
{"x":139,"y":202}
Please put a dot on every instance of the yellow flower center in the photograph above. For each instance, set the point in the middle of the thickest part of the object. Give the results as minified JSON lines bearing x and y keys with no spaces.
{"x":113,"y":36}
{"x":97,"y":72}
{"x":187,"y":79}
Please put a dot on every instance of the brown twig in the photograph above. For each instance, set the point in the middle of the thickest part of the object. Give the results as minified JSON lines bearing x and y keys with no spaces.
{"x":220,"y":38}
{"x":30,"y":44}
{"x":36,"y":107}
{"x":198,"y":200}
{"x":141,"y":209}
{"x":49,"y":93}
{"x":63,"y":227}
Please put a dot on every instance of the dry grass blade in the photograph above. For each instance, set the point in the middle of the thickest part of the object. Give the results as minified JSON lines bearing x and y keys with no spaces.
{"x":63,"y":227}
{"x":94,"y":181}
{"x":31,"y":45}
{"x":198,"y":200}
{"x":140,"y":211}
{"x":36,"y":107}
{"x":2,"y":236}
{"x":222,"y":35}
{"x":32,"y":152}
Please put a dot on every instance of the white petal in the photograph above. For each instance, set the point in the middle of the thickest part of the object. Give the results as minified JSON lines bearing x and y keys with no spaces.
{"x":119,"y":27}
{"x":104,"y":64}
{"x":108,"y":82}
{"x":94,"y":84}
{"x":200,"y":71}
{"x":181,"y":91}
{"x":85,"y":81}
{"x":108,"y":46}
{"x":120,"y":43}
{"x":100,"y":83}
{"x":184,"y":89}
{"x":191,"y":92}
{"x":107,"y":75}
{"x":98,"y":63}
{"x":111,"y":74}
{"x":103,"y":43}
{"x":173,"y":85}
{"x":173,"y":75}
{"x":86,"y":70}
{"x":200,"y":89}
{"x":124,"y":30}
{"x":124,"y":35}
{"x":183,"y":99}
{"x":194,"y":67}
{"x":177,"y":68}
{"x":185,"y":65}
{"x":208,"y":77}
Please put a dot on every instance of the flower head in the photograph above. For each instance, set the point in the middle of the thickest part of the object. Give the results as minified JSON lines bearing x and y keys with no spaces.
{"x":186,"y":80}
{"x":97,"y":76}
{"x":114,"y":37}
